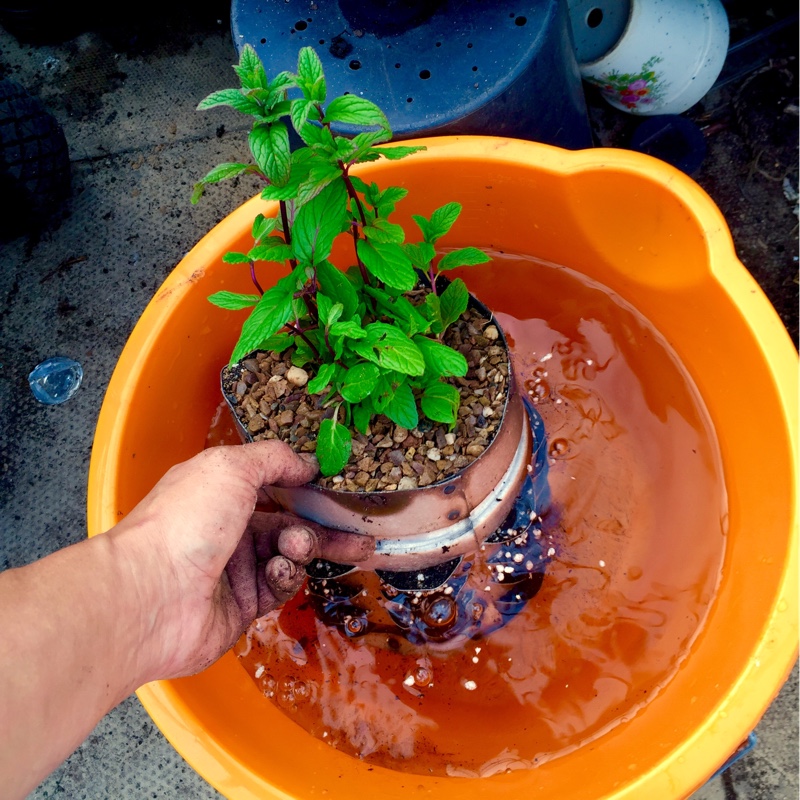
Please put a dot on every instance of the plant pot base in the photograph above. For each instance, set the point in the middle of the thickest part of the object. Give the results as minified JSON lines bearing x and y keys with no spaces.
{"x":447,"y":600}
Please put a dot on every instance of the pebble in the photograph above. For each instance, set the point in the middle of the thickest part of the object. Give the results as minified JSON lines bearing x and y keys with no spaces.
{"x":297,"y":376}
{"x":256,"y":424}
{"x":400,"y":434}
{"x":361,"y":479}
{"x":285,"y":417}
{"x":390,"y":456}
{"x":397,"y":457}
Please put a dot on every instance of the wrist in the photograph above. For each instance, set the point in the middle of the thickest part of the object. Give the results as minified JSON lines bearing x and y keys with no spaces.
{"x":146,"y":587}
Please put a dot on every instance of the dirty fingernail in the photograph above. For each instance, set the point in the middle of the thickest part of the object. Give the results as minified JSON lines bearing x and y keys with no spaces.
{"x":297,"y":543}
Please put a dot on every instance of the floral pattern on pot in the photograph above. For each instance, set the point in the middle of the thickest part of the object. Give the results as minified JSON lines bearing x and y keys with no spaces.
{"x":633,"y":89}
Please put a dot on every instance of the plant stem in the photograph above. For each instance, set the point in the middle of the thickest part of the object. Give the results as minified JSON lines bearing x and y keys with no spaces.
{"x":287,"y":234}
{"x":351,"y":190}
{"x":312,"y":310}
{"x":361,"y":267}
{"x":298,"y":332}
{"x":328,"y":343}
{"x":432,"y":277}
{"x":254,"y":279}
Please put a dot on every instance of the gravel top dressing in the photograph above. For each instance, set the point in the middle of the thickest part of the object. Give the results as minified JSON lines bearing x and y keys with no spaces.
{"x":271,"y":402}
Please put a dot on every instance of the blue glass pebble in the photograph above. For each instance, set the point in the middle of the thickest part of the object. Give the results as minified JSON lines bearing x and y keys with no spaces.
{"x":55,"y":380}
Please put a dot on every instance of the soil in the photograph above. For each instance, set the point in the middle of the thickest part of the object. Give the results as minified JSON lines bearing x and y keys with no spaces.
{"x":268,"y":395}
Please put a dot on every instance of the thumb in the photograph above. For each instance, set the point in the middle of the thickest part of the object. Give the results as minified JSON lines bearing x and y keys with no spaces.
{"x":275,"y":463}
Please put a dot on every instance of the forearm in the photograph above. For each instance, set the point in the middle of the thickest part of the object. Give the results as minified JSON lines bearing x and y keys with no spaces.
{"x":71,"y":649}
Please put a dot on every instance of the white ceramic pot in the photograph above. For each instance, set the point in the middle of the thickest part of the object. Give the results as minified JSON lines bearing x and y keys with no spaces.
{"x":667,"y":56}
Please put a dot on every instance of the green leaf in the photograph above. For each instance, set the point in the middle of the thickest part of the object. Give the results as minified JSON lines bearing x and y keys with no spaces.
{"x":269,"y":144}
{"x":264,"y":97}
{"x":465,"y":257}
{"x":276,"y":111}
{"x":324,"y":305}
{"x":402,"y":408}
{"x":385,"y":232}
{"x":440,"y":222}
{"x":303,"y":353}
{"x":301,"y":163}
{"x":443,"y":218}
{"x":344,"y":148}
{"x":320,"y":175}
{"x":329,"y":311}
{"x":401,"y":309}
{"x":388,"y":199}
{"x":440,"y":402}
{"x":388,"y":263}
{"x":354,"y":110}
{"x":273,"y":248}
{"x":294,"y":281}
{"x":233,"y":98}
{"x":393,"y":194}
{"x":224,"y":171}
{"x":348,"y":329}
{"x":282,"y":81}
{"x":318,"y":136}
{"x":250,"y":69}
{"x":362,"y":415}
{"x":236,"y":258}
{"x":334,"y":444}
{"x":383,"y":393}
{"x":420,"y":253}
{"x":322,"y":379}
{"x":271,"y":313}
{"x":263,"y":227}
{"x":318,"y":223}
{"x":359,"y":382}
{"x":300,"y":110}
{"x":361,"y":186}
{"x":310,"y":76}
{"x":441,"y":361}
{"x":396,"y":152}
{"x":454,"y":300}
{"x":336,"y":285}
{"x":335,"y":313}
{"x":220,"y":173}
{"x":394,"y":349}
{"x":368,"y":156}
{"x":277,"y":343}
{"x":232,"y":300}
{"x":363,"y":141}
{"x":433,"y":309}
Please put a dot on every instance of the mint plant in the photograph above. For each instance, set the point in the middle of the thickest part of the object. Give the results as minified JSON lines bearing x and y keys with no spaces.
{"x":371,"y":333}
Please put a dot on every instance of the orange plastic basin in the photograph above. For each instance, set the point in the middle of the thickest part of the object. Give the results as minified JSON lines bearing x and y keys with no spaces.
{"x":653,"y":236}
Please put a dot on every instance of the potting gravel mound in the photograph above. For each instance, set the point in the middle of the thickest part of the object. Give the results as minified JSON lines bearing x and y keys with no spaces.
{"x":271,"y":402}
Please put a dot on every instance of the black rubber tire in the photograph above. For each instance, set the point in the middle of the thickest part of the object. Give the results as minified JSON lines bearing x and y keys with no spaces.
{"x":34,"y":162}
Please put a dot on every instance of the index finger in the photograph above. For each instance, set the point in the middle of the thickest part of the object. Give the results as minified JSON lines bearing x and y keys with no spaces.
{"x":342,"y":547}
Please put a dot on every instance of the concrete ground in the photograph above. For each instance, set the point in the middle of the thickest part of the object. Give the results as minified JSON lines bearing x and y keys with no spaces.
{"x":125,"y":96}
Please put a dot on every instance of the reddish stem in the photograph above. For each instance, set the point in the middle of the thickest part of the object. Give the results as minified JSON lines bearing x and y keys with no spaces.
{"x":297,"y":331}
{"x":254,"y":279}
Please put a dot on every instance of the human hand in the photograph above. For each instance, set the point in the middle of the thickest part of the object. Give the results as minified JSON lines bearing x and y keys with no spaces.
{"x":208,"y":564}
